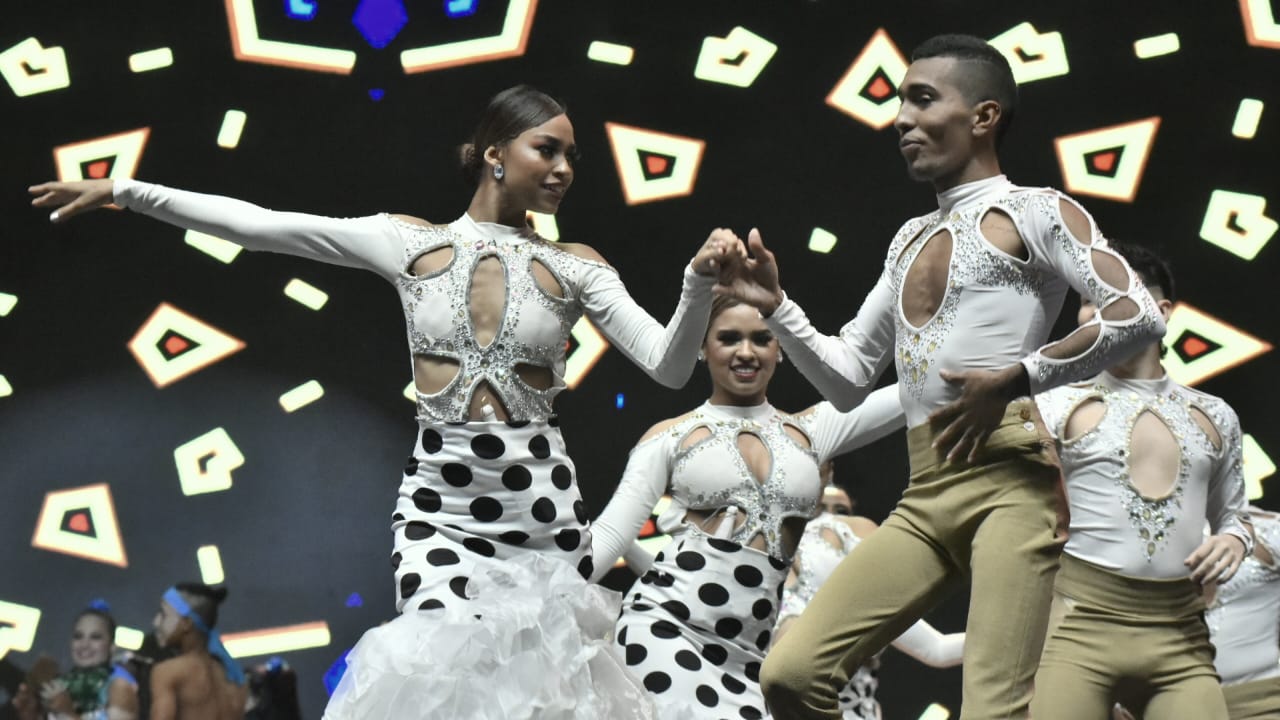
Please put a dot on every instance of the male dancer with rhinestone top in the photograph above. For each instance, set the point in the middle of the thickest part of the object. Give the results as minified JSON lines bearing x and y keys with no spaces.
{"x":968,"y":294}
{"x":1146,"y":461}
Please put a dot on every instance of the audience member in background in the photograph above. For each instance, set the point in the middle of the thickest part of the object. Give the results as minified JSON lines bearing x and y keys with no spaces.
{"x":94,"y":688}
{"x":273,"y":692}
{"x":203,"y":682}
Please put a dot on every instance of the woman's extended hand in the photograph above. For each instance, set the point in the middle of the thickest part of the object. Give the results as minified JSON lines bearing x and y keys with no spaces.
{"x":721,"y":250}
{"x":72,"y":198}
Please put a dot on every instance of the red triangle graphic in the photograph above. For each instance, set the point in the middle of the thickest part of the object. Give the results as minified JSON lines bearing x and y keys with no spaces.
{"x":175,"y":345}
{"x":79,"y":522}
{"x":656,"y":164}
{"x":1194,"y":347}
{"x":879,"y":88}
{"x":1104,"y":162}
{"x":98,"y":169}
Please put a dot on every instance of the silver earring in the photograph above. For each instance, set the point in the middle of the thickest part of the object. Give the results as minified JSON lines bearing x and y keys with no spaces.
{"x":781,"y":358}
{"x":702,"y":356}
{"x":498,"y":172}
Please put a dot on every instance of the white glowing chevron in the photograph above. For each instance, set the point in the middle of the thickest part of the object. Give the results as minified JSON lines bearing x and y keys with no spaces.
{"x":736,"y":59}
{"x":1248,"y":213}
{"x":1045,"y":53}
{"x":248,"y":46}
{"x":205,"y":463}
{"x":18,"y":625}
{"x":31,"y":68}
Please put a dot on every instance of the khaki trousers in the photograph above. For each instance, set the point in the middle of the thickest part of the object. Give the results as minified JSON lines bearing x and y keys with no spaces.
{"x":1257,"y":700}
{"x":999,"y":522}
{"x":1114,"y":638}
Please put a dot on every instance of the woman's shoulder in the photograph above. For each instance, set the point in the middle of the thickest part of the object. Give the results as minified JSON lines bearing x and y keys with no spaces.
{"x":413,"y":220}
{"x":665,"y":425}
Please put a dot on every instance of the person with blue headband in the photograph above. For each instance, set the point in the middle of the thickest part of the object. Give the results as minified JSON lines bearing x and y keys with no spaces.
{"x":203,"y":682}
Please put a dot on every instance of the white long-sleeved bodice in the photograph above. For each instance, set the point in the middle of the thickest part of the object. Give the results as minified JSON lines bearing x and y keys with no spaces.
{"x":996,"y":310}
{"x":535,"y":323}
{"x":710,"y":473}
{"x":1244,"y":621}
{"x":1113,"y":525}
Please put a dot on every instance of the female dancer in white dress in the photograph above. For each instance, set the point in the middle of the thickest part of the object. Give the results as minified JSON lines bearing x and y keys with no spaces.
{"x":491,"y":537}
{"x":743,"y":480}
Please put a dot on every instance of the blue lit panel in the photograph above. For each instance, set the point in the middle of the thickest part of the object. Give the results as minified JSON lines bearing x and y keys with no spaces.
{"x":460,"y":8}
{"x":301,"y":9}
{"x":379,"y":21}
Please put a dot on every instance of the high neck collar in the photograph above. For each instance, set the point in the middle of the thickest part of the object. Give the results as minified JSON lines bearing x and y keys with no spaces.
{"x":969,"y":192}
{"x":759,"y":413}
{"x":1155,"y":386}
{"x":468,"y":226}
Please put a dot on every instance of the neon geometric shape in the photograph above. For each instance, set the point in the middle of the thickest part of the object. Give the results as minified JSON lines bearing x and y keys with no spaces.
{"x":1126,"y":146}
{"x":1237,"y":223}
{"x":1248,"y":116}
{"x":821,"y":241}
{"x":304,"y":10}
{"x":1156,"y":46}
{"x":232,"y":126}
{"x":305,"y":394}
{"x":222,"y":250}
{"x":269,"y":641}
{"x":30,"y":68}
{"x":591,"y":347}
{"x":1230,"y":345}
{"x":248,"y":46}
{"x":935,"y":712}
{"x":1032,"y":55}
{"x":92,"y":502}
{"x":205,"y":463}
{"x":306,"y":294}
{"x":210,"y":562}
{"x":18,"y":625}
{"x":611,"y":53}
{"x":1258,"y":466}
{"x":124,"y":148}
{"x":5,"y":388}
{"x":129,"y":638}
{"x":736,"y":59}
{"x":379,"y":21}
{"x":410,"y":392}
{"x":543,"y":224}
{"x":509,"y":42}
{"x":151,"y":60}
{"x":460,"y":8}
{"x":654,"y":165}
{"x":869,"y":89}
{"x":7,"y":303}
{"x":1260,"y":26}
{"x":201,"y":345}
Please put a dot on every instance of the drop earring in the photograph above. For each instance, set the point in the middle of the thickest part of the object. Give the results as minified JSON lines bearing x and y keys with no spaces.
{"x":498,"y":172}
{"x":702,"y":356}
{"x":781,"y":358}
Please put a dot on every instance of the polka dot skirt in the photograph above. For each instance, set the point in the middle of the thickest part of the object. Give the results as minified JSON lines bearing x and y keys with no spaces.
{"x":478,"y":493}
{"x":695,"y":628}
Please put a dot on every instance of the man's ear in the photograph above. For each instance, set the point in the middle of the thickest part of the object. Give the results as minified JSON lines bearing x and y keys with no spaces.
{"x":986,"y":117}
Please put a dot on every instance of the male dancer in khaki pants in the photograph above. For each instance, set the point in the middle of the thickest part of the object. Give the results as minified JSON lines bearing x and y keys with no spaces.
{"x":968,"y":293}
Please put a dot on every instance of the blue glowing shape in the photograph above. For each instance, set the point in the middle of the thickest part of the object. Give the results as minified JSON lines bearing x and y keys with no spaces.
{"x":335,"y":672}
{"x":375,"y":94}
{"x":300,"y":9}
{"x":354,"y":600}
{"x":379,"y":21}
{"x":460,"y":8}
{"x":619,"y":401}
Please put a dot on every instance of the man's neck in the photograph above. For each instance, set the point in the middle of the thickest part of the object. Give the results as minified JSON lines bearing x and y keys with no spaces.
{"x":979,"y":167}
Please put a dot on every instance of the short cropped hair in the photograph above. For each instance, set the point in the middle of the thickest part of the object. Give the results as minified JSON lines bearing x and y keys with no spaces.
{"x":986,"y":76}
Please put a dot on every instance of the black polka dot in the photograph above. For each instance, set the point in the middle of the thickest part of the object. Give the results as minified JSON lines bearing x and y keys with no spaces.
{"x":664,"y":580}
{"x":459,"y":586}
{"x":750,"y":712}
{"x":714,"y":654}
{"x":539,"y":447}
{"x":409,"y":584}
{"x":456,"y":474}
{"x":665,"y":629}
{"x":752,"y":669}
{"x":486,"y":509}
{"x":431,"y":604}
{"x":553,"y":421}
{"x":647,"y":578}
{"x":441,"y":557}
{"x":677,"y":609}
{"x":517,"y":423}
{"x":488,"y":446}
{"x":690,"y":561}
{"x":395,"y":560}
{"x":585,"y":567}
{"x":707,"y":695}
{"x":580,"y":511}
{"x":657,"y":682}
{"x":733,"y":684}
{"x":426,"y":500}
{"x":568,"y":539}
{"x":777,"y":564}
{"x":713,"y":594}
{"x":636,"y":654}
{"x":761,"y":609}
{"x":724,"y":545}
{"x":748,"y":576}
{"x":728,"y":628}
{"x":561,"y":476}
{"x":622,"y":636}
{"x":411,"y":466}
{"x":479,"y":546}
{"x":762,"y":642}
{"x":517,"y":478}
{"x":640,"y":607}
{"x":431,"y":441}
{"x":544,"y":510}
{"x":397,"y":517}
{"x":661,"y":555}
{"x":417,"y":530}
{"x":514,"y":537}
{"x":688,"y":660}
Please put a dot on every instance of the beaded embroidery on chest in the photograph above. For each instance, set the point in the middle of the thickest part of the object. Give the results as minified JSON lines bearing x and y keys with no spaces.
{"x":974,"y":262}
{"x":495,"y":362}
{"x":765,"y":504}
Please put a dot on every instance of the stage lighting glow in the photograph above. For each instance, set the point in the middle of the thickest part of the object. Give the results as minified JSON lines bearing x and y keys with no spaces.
{"x":735,"y":59}
{"x":210,"y":562}
{"x":607,"y":52}
{"x":5,"y":388}
{"x":869,"y":89}
{"x":223,"y":251}
{"x":1248,"y":115}
{"x":148,"y":60}
{"x":410,"y":392}
{"x":544,"y":224}
{"x":18,"y":625}
{"x":1258,"y":466}
{"x":271,"y":641}
{"x":232,"y":127}
{"x":935,"y":712}
{"x":7,"y":303}
{"x":305,"y":293}
{"x":1107,"y":162}
{"x":129,"y":638}
{"x":354,"y":600}
{"x":30,"y":68}
{"x":1156,"y":45}
{"x":248,"y":46}
{"x":1032,"y":55}
{"x":821,"y":241}
{"x":1204,"y":346}
{"x":379,"y":21}
{"x":81,"y":522}
{"x":301,"y":396}
{"x":376,"y":94}
{"x":591,"y":346}
{"x":304,"y":10}
{"x":460,"y":8}
{"x":619,"y":401}
{"x":1238,"y":223}
{"x":654,"y":165}
{"x":509,"y":42}
{"x":114,"y":156}
{"x":171,"y":345}
{"x":1260,"y":26}
{"x":205,"y":463}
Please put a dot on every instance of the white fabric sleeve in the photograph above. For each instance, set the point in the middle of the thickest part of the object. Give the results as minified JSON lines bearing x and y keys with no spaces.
{"x":667,"y":354}
{"x":836,"y":433}
{"x":371,"y":243}
{"x":1226,"y":508}
{"x":638,"y":559}
{"x":924,"y":643}
{"x":842,"y":368}
{"x":642,"y":484}
{"x":1052,"y":247}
